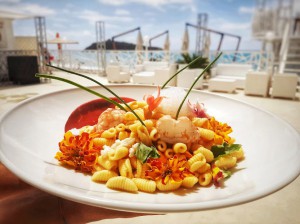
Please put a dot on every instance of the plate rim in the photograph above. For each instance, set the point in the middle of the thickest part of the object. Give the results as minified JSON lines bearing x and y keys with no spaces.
{"x":135,"y":206}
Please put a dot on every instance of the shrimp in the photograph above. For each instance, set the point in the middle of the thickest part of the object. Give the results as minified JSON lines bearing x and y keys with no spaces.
{"x":172,"y":98}
{"x":152,"y":101}
{"x":173,"y":131}
{"x":109,"y":118}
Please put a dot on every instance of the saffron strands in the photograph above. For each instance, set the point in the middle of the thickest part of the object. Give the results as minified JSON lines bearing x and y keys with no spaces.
{"x":196,"y":80}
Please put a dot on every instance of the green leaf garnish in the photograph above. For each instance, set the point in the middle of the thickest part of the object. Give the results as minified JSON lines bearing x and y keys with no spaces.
{"x":219,"y":150}
{"x":196,"y":80}
{"x":95,"y":81}
{"x":144,"y":152}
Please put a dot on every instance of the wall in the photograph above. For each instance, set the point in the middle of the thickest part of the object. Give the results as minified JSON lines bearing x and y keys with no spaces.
{"x":7,"y":40}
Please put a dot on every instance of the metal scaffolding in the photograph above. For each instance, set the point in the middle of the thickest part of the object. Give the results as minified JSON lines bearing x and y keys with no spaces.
{"x":42,"y":48}
{"x":101,"y":47}
{"x":201,"y":33}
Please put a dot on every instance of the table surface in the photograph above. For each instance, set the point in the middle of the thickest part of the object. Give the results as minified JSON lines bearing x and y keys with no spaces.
{"x":22,"y":203}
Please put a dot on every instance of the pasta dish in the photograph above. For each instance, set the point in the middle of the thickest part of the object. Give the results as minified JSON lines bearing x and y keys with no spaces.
{"x":149,"y":147}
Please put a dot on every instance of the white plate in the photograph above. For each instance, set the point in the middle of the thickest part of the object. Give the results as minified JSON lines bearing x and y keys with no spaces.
{"x":29,"y":136}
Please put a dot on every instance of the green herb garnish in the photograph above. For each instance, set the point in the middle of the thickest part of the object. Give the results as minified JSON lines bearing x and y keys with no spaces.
{"x":224,"y":149}
{"x":144,"y":152}
{"x":95,"y":81}
{"x":196,"y":80}
{"x":187,"y":66}
{"x":81,"y":87}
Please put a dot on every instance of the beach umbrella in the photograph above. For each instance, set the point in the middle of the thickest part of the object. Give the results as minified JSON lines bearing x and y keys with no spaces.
{"x":139,"y":42}
{"x":167,"y":43}
{"x":185,"y":42}
{"x":60,"y":41}
{"x":139,"y":48}
{"x":206,"y":47}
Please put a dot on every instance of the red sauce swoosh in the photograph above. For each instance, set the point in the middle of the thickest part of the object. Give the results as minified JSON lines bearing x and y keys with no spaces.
{"x":88,"y":113}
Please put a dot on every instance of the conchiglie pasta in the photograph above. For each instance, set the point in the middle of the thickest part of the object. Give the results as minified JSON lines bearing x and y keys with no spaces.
{"x":225,"y":162}
{"x":145,"y":185}
{"x":161,"y":145}
{"x":125,"y":168}
{"x":179,"y":148}
{"x":118,"y":153}
{"x":110,"y":133}
{"x":205,"y":179}
{"x":103,"y":175}
{"x":154,"y":135}
{"x":206,"y":134}
{"x":169,"y":153}
{"x":129,"y":116}
{"x":149,"y":124}
{"x":99,"y":142}
{"x":189,"y":182}
{"x":121,"y":127}
{"x":123,"y":134}
{"x":122,"y":183}
{"x":140,"y":113}
{"x":140,"y":169}
{"x":106,"y":163}
{"x":200,"y":122}
{"x":196,"y":162}
{"x":209,"y":156}
{"x":239,"y":154}
{"x":169,"y":186}
{"x":206,"y":167}
{"x":143,"y":135}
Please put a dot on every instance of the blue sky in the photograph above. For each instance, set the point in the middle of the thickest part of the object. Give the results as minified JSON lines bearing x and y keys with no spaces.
{"x":75,"y":19}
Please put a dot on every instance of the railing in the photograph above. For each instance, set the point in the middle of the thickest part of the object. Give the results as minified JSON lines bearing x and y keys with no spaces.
{"x":86,"y":60}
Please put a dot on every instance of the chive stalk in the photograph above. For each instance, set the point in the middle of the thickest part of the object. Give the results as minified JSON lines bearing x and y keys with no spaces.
{"x":194,"y":83}
{"x":82,"y":87}
{"x":99,"y":83}
{"x":192,"y":62}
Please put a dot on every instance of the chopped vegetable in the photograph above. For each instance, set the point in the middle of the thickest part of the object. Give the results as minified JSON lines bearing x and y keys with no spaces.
{"x":144,"y":152}
{"x":225,"y":148}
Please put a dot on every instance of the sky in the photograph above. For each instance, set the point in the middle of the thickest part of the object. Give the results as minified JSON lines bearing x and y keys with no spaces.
{"x":76,"y":19}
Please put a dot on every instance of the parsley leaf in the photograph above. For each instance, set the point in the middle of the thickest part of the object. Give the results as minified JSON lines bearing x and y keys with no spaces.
{"x":226,"y":148}
{"x":144,"y":152}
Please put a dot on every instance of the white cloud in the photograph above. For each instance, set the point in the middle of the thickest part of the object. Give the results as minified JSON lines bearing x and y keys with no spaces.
{"x":153,"y":3}
{"x":246,"y":10}
{"x":122,"y":12}
{"x":227,"y":26}
{"x":93,"y":16}
{"x":27,"y":8}
{"x":9,"y":1}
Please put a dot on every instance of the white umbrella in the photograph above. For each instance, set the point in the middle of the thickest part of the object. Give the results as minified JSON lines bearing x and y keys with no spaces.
{"x":139,"y":47}
{"x":206,"y":47}
{"x":139,"y":42}
{"x":185,"y":42}
{"x":59,"y":41}
{"x":167,"y":43}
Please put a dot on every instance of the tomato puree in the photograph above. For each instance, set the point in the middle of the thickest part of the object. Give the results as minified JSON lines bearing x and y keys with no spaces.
{"x":88,"y":113}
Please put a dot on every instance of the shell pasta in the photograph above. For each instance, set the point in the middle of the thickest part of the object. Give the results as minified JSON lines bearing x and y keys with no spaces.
{"x":157,"y":152}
